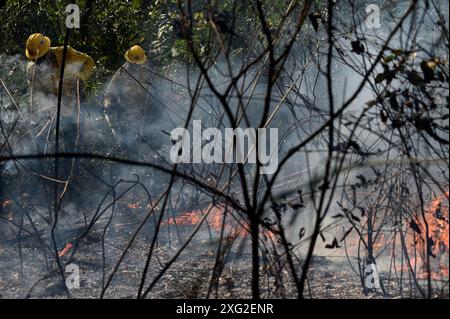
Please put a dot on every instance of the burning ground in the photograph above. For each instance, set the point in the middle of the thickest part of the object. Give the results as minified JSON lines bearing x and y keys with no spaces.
{"x":202,"y":270}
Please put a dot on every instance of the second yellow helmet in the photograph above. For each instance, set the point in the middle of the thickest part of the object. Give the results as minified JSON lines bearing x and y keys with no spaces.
{"x":136,"y":55}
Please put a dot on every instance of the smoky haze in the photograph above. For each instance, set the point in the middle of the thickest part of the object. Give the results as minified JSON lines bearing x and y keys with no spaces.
{"x":366,"y":179}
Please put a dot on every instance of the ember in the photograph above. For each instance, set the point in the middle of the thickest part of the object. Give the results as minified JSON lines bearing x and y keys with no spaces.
{"x":66,"y":249}
{"x":134,"y":206}
{"x":7,"y":203}
{"x":215,"y":221}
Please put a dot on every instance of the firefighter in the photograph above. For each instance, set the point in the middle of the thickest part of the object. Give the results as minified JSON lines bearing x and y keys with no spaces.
{"x":43,"y":74}
{"x":131,"y":103}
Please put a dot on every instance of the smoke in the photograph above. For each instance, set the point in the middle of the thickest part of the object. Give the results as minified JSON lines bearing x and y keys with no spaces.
{"x":115,"y":199}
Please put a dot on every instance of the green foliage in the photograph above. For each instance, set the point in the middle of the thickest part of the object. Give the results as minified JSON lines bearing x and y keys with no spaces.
{"x":109,"y":28}
{"x":21,"y":18}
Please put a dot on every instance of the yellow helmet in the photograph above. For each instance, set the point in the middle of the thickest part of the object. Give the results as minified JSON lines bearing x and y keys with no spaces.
{"x":37,"y":46}
{"x":136,"y":55}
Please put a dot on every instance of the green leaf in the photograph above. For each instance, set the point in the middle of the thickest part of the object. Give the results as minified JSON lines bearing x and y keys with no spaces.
{"x":380,"y":78}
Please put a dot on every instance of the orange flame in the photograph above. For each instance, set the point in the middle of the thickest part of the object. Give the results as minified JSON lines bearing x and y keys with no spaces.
{"x":65,"y":250}
{"x":215,"y":221}
{"x":7,"y":202}
{"x":134,"y":206}
{"x":437,"y":218}
{"x":138,"y":205}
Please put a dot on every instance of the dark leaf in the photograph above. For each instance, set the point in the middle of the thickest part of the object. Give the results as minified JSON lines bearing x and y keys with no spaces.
{"x":383,"y":116}
{"x":355,"y":218}
{"x":269,"y":222}
{"x":428,"y":68}
{"x":357,"y":47}
{"x":414,"y":78}
{"x":372,"y":103}
{"x":363,"y":211}
{"x":415,"y":227}
{"x":426,"y":124}
{"x":354,"y":145}
{"x":394,"y":103}
{"x":397,"y":123}
{"x":301,"y":233}
{"x":363,"y":180}
{"x":333,"y":245}
{"x":431,"y":243}
{"x":380,"y":78}
{"x":295,"y":206}
{"x":324,"y":186}
{"x":389,"y":58}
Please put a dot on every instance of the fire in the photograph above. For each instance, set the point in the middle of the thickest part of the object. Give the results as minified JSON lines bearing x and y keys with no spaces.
{"x":194,"y":217}
{"x":65,"y":250}
{"x":380,"y":242}
{"x":215,"y":221}
{"x":437,"y":217}
{"x":138,"y":206}
{"x":189,"y":218}
{"x":7,"y":202}
{"x":134,"y":206}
